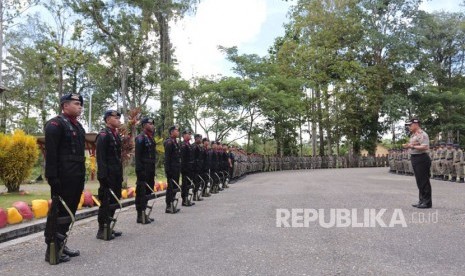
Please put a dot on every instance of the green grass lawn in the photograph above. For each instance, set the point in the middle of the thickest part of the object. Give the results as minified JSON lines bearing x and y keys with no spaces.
{"x":42,"y":191}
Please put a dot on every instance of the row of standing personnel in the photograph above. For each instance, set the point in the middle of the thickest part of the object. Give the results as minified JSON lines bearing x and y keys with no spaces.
{"x":447,"y":162}
{"x":206,"y":168}
{"x":264,"y":163}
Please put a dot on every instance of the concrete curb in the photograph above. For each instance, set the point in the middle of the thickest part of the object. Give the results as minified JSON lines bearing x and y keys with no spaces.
{"x":37,"y":225}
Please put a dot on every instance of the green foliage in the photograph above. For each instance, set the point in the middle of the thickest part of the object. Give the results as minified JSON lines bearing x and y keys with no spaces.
{"x":18,"y":154}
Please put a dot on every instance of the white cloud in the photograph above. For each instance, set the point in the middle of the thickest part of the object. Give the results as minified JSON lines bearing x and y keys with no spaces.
{"x":441,"y":5}
{"x":217,"y":22}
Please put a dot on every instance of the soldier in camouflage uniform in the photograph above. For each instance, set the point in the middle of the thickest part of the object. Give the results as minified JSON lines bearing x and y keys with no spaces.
{"x":434,"y":159}
{"x":459,"y":164}
{"x":440,"y":158}
{"x":449,"y":161}
{"x":391,"y":161}
{"x":330,"y":162}
{"x":319,"y":161}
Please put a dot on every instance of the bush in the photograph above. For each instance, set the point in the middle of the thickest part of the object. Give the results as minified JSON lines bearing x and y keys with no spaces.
{"x":18,"y":154}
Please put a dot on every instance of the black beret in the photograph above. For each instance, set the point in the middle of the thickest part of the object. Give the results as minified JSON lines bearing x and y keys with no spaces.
{"x":442,"y":143}
{"x":72,"y":97}
{"x":456,"y":146}
{"x":449,"y":144}
{"x":171,"y":128}
{"x":146,"y":120}
{"x":205,"y":140}
{"x":197,"y":136}
{"x":111,"y":113}
{"x":186,"y":131}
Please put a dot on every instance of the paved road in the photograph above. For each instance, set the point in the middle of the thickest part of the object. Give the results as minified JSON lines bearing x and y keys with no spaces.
{"x":235,"y":233}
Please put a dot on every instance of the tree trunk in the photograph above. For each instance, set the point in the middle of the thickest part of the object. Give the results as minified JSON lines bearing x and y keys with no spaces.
{"x":166,"y":96}
{"x":124,"y":86}
{"x":313,"y":124}
{"x":320,"y":122}
{"x":327,"y":120}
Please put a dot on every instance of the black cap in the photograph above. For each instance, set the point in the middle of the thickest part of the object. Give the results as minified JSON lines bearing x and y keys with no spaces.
{"x":171,"y":128}
{"x":413,"y":121}
{"x":198,"y":136}
{"x":442,"y":143}
{"x":146,"y":120}
{"x":186,"y":131}
{"x":449,"y":144}
{"x":111,"y":113}
{"x":456,"y":146}
{"x":72,"y":97}
{"x":205,"y":140}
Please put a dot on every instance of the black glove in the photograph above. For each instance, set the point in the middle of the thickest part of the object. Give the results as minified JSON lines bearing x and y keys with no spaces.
{"x":55,"y":186}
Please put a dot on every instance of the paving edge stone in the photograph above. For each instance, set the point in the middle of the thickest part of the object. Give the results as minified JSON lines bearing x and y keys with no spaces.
{"x":37,"y":225}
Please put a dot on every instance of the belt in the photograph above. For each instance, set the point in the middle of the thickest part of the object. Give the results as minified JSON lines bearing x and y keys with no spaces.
{"x":74,"y":158}
{"x":419,"y":155}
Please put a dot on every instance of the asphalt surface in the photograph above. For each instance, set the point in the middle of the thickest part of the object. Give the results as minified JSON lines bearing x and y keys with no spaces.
{"x":235,"y":233}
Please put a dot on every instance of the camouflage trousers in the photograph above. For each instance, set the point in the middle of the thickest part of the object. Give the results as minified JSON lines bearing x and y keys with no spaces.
{"x":408,"y":168}
{"x":438,"y":167}
{"x":446,"y":166}
{"x":459,"y":170}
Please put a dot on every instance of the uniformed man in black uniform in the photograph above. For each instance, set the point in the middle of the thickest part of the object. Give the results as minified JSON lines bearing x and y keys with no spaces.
{"x":187,"y":167}
{"x":206,"y":157}
{"x":214,"y":156}
{"x":226,"y":165}
{"x":172,"y":168}
{"x":198,"y":165}
{"x":109,"y":171}
{"x":65,"y":171}
{"x":145,"y":159}
{"x":232,"y":160}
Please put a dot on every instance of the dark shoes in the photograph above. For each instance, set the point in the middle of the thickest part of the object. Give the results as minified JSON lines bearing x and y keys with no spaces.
{"x":101,"y":235}
{"x":171,"y":210}
{"x":422,"y":205}
{"x":63,"y":258}
{"x":143,"y":218}
{"x":70,"y":252}
{"x":197,"y":197}
{"x":187,"y":203}
{"x":425,"y":206}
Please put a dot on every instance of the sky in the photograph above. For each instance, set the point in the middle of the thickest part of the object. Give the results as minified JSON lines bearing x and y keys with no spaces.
{"x":251,"y":25}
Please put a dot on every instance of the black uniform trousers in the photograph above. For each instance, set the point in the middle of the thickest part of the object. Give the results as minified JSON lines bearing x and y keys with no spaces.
{"x":142,"y":191}
{"x":171,"y":190}
{"x":421,"y":164}
{"x":71,"y":196}
{"x":186,"y":183}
